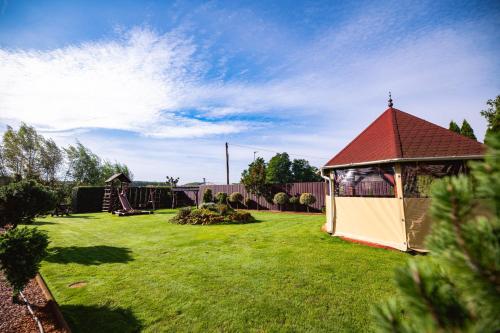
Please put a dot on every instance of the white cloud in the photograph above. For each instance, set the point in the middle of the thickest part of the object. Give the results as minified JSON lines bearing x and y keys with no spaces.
{"x":134,"y":83}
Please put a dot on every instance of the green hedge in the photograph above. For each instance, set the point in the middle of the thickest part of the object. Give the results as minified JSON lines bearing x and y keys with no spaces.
{"x":87,"y":199}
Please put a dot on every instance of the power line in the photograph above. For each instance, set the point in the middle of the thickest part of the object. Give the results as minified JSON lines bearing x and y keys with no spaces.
{"x":273,"y":151}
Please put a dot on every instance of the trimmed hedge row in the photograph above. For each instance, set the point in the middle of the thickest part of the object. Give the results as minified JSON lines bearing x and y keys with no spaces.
{"x":87,"y":199}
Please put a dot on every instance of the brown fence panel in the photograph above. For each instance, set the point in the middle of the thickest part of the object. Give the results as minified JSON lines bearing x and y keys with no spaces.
{"x":292,"y":189}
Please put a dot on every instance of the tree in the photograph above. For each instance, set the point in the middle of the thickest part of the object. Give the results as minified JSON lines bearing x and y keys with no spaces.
{"x":294,"y":200}
{"x":51,"y":159}
{"x":467,"y":130}
{"x":3,"y":170}
{"x":279,"y":169}
{"x":108,"y":169}
{"x":254,"y":178}
{"x":280,"y":199}
{"x":236,"y":198}
{"x":207,"y":195}
{"x":21,"y":151}
{"x":21,"y":202}
{"x":454,"y":127}
{"x":84,"y":165}
{"x":307,"y":199}
{"x":457,"y":287}
{"x":21,"y":251}
{"x":302,"y":171}
{"x":492,"y":115}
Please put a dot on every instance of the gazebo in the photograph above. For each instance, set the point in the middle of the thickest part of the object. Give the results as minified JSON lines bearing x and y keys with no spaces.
{"x":379,"y":183}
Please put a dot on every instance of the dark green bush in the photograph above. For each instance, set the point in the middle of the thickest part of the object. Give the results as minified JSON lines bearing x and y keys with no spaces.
{"x":248,"y":202}
{"x":21,"y":251}
{"x":294,"y":200}
{"x":87,"y":199}
{"x":22,"y":201}
{"x":221,"y":197}
{"x":240,"y":217}
{"x":236,"y":198}
{"x":208,"y":196}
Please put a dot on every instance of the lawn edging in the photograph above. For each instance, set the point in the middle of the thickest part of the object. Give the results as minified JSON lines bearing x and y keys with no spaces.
{"x":52,"y":303}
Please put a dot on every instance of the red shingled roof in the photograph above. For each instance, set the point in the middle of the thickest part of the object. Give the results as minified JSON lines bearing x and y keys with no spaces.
{"x":399,"y":135}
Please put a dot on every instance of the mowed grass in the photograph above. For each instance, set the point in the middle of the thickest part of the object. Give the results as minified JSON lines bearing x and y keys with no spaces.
{"x":142,"y":273}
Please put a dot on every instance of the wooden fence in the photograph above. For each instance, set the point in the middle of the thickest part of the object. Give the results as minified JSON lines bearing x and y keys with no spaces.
{"x":318,"y":189}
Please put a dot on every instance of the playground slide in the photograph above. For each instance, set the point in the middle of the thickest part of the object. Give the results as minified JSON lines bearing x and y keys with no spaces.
{"x":124,"y":201}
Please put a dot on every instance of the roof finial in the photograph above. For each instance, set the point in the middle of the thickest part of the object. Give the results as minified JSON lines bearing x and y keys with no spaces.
{"x":390,"y":100}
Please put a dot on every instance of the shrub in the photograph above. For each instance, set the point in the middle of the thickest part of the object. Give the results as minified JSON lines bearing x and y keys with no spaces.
{"x":248,"y":202}
{"x":240,"y":217}
{"x":307,"y":199}
{"x":22,"y":201}
{"x":209,"y":205}
{"x":280,"y":199}
{"x":224,"y":209}
{"x":221,"y":197}
{"x":21,"y":251}
{"x":236,"y":198}
{"x":181,"y":216}
{"x":208,"y":196}
{"x":294,"y":200}
{"x":201,"y":216}
{"x":204,"y":216}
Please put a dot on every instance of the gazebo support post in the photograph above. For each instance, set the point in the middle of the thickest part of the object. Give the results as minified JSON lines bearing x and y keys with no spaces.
{"x":330,"y":203}
{"x":400,"y":196}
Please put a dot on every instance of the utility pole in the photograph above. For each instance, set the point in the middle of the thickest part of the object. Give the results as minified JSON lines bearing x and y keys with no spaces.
{"x":227,"y":164}
{"x":255,"y":152}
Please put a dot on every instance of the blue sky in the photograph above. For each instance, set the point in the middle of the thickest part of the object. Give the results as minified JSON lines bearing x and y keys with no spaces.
{"x":162,"y":85}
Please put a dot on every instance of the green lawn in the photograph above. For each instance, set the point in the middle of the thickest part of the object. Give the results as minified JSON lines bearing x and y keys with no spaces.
{"x":145,"y":274}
